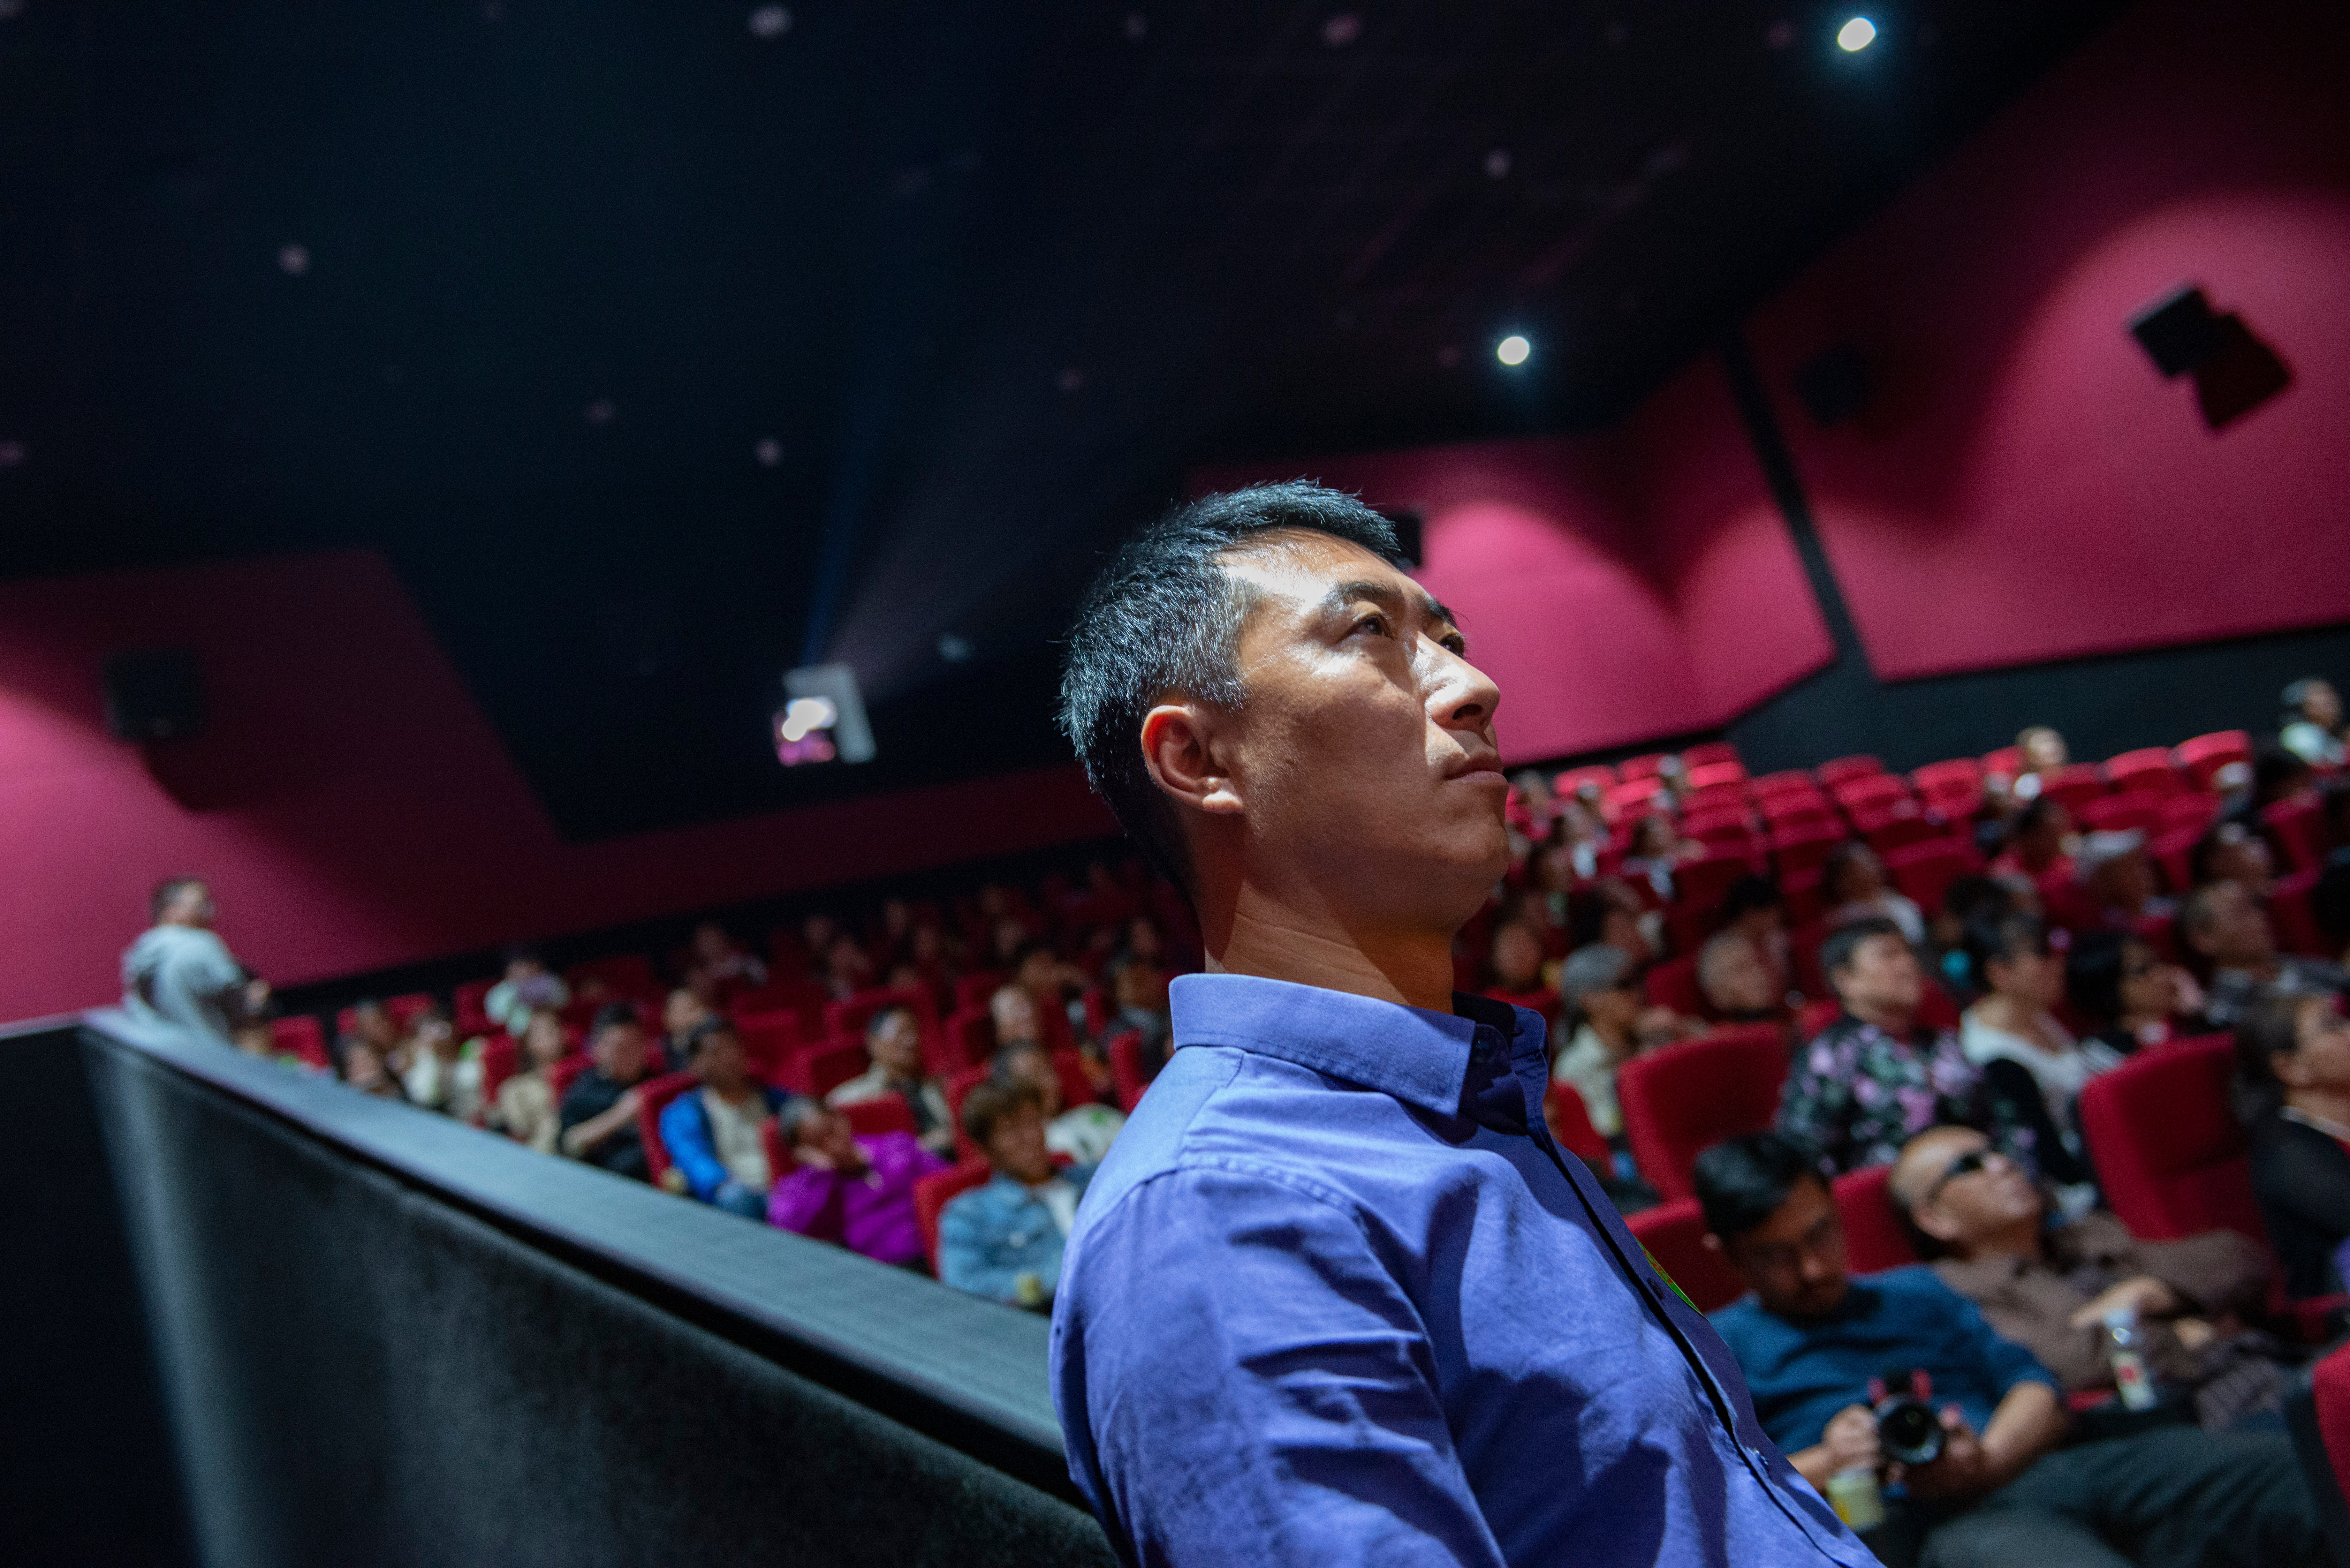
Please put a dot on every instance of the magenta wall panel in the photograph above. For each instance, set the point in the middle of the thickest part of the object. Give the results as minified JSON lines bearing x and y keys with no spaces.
{"x":2026,"y":487}
{"x":352,"y":807}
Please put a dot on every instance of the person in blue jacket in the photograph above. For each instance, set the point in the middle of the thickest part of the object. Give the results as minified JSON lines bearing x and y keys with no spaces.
{"x":715,"y":1133}
{"x":1003,"y":1241}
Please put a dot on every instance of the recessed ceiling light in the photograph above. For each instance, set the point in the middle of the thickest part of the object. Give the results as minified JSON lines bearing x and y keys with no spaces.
{"x":1513,"y":350}
{"x":1857,"y":34}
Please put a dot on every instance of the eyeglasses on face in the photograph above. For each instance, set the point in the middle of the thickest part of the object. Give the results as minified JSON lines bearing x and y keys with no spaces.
{"x":1973,"y":1162}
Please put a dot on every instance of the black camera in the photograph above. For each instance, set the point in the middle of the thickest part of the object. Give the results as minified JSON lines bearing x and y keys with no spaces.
{"x":1907,"y":1429}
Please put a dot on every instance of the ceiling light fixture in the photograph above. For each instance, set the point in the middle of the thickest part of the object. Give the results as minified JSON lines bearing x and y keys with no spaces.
{"x":1513,"y":350}
{"x":1857,"y":34}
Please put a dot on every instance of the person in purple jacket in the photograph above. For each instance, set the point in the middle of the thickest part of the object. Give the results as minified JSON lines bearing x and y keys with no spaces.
{"x":856,"y":1191}
{"x":1335,"y":1296}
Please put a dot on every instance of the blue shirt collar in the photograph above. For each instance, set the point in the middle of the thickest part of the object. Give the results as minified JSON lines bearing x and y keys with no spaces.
{"x":1419,"y":1056}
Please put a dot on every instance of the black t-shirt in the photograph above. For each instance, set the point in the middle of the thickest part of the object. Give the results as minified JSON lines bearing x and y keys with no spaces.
{"x":590,"y":1096}
{"x":2302,"y":1180}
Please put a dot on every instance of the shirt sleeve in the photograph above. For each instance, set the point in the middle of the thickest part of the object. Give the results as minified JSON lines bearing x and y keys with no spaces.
{"x":686,"y":1133}
{"x":1283,"y":1397}
{"x":962,"y":1253}
{"x":2217,"y":1271}
{"x":802,"y":1201}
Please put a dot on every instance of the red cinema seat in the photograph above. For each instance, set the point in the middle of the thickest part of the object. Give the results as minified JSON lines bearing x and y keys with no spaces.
{"x":2293,"y":915}
{"x":627,"y":974}
{"x":770,"y":1040}
{"x":1570,"y":1126}
{"x":2318,"y":1416}
{"x":2150,"y":771}
{"x":1646,"y":767}
{"x":1869,"y":793}
{"x":1924,"y":871}
{"x":500,"y":1060}
{"x":1674,"y":984}
{"x":2297,"y":828}
{"x":1806,"y":900}
{"x":874,"y":1118}
{"x":302,"y":1037}
{"x":819,"y":1069}
{"x":466,"y":1002}
{"x":1899,"y":827}
{"x":1713,"y":754}
{"x":2132,"y":811}
{"x":973,"y":989}
{"x":2203,"y":757}
{"x":2168,"y":1147}
{"x":1954,"y":788}
{"x":2073,"y":787}
{"x":1631,"y":797}
{"x":1542,"y":999}
{"x":1573,"y":780}
{"x":1718,"y":775}
{"x":1844,"y":769}
{"x":934,"y":1193}
{"x":559,"y":1077}
{"x":1793,"y":780}
{"x":1674,"y":1235}
{"x":1714,"y":797}
{"x":803,"y":998}
{"x":1804,"y":849}
{"x":850,"y":1015}
{"x":1124,"y":1052}
{"x":2005,"y":763}
{"x":2183,"y":813}
{"x":400,"y":1010}
{"x":2174,"y":854}
{"x":1874,"y":1235}
{"x":653,"y":1096}
{"x":1681,"y":1100}
{"x":970,"y":1040}
{"x":1719,"y":825}
{"x":1703,"y":884}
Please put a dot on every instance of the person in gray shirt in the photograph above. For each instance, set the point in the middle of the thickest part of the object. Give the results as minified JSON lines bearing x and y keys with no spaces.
{"x":181,"y":972}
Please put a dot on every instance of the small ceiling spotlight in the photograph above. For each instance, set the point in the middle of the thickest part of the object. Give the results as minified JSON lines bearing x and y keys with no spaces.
{"x":1513,"y":350}
{"x":1857,"y":34}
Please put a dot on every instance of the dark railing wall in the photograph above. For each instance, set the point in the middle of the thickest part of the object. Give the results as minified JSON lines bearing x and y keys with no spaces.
{"x":384,"y":1338}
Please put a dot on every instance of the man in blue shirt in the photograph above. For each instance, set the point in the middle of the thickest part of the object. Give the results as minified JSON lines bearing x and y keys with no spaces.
{"x":1812,"y":1339}
{"x":1335,"y":1296}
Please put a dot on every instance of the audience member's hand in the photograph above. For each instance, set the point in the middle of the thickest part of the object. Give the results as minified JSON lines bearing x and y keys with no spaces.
{"x":807,"y":1154}
{"x":628,"y":1103}
{"x":1963,"y":1472}
{"x":2193,"y":1331}
{"x":256,"y":996}
{"x":1851,"y":1439}
{"x":2186,"y":996}
{"x":2142,"y":1293}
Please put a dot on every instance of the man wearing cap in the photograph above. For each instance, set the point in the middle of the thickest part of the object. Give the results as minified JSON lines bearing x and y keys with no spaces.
{"x":1334,"y":1295}
{"x":2114,"y":884}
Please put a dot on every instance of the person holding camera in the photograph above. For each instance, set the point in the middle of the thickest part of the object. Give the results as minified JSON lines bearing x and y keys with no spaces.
{"x":1938,"y":1439}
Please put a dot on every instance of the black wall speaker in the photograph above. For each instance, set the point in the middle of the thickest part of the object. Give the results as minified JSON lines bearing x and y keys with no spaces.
{"x":1833,"y":386}
{"x":2235,"y":372}
{"x":156,"y":694}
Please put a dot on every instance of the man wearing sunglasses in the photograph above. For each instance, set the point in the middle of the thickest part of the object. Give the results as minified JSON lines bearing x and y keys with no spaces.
{"x":2050,"y":1289}
{"x":2002,"y":1493}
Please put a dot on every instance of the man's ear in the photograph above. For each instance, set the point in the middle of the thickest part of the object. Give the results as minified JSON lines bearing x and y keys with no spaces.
{"x":1935,"y":1221}
{"x":1182,"y":747}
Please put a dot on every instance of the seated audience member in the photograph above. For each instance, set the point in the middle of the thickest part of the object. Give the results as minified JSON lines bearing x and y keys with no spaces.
{"x":1818,"y":1348}
{"x":2277,"y":775}
{"x":1138,"y":987}
{"x":847,"y":968}
{"x":893,"y":1039}
{"x":1011,"y":1008}
{"x":526,"y":988}
{"x":2050,"y":1285}
{"x":1516,"y":961}
{"x":1082,"y":1133}
{"x":2227,"y":924}
{"x":1966,"y":900}
{"x":525,"y":1109}
{"x":1610,"y":912}
{"x":714,"y":1136}
{"x":1754,"y":908}
{"x":2135,"y":998}
{"x":855,"y":1191}
{"x":1874,"y":1078}
{"x":2114,"y":885}
{"x":1048,"y":977}
{"x":1003,"y":1241}
{"x":598,"y":1119}
{"x":372,"y":1021}
{"x":684,"y":1011}
{"x":2045,"y":752}
{"x":2313,"y":723}
{"x":1852,"y":885}
{"x":1657,"y":849}
{"x":1736,"y":983}
{"x":1608,"y":1022}
{"x":2293,"y":1068}
{"x":364,"y":1068}
{"x":721,"y":965}
{"x":2029,"y":1061}
{"x":2036,"y":841}
{"x":440,"y":1075}
{"x":2231,"y":852}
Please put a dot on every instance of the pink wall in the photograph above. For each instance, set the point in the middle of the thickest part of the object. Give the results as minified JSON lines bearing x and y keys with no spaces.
{"x":354,"y":809}
{"x":2027,"y":487}
{"x":1620,"y":587}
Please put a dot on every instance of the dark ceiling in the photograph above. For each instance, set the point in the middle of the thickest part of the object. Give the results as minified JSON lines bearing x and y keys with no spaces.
{"x":660,"y":345}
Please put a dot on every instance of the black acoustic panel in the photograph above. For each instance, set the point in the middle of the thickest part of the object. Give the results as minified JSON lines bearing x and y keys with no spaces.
{"x":1833,"y":386}
{"x":2239,"y":375}
{"x":154,"y":694}
{"x":2178,"y":331}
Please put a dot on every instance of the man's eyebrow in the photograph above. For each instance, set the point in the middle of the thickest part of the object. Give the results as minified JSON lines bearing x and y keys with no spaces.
{"x":1387,"y":597}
